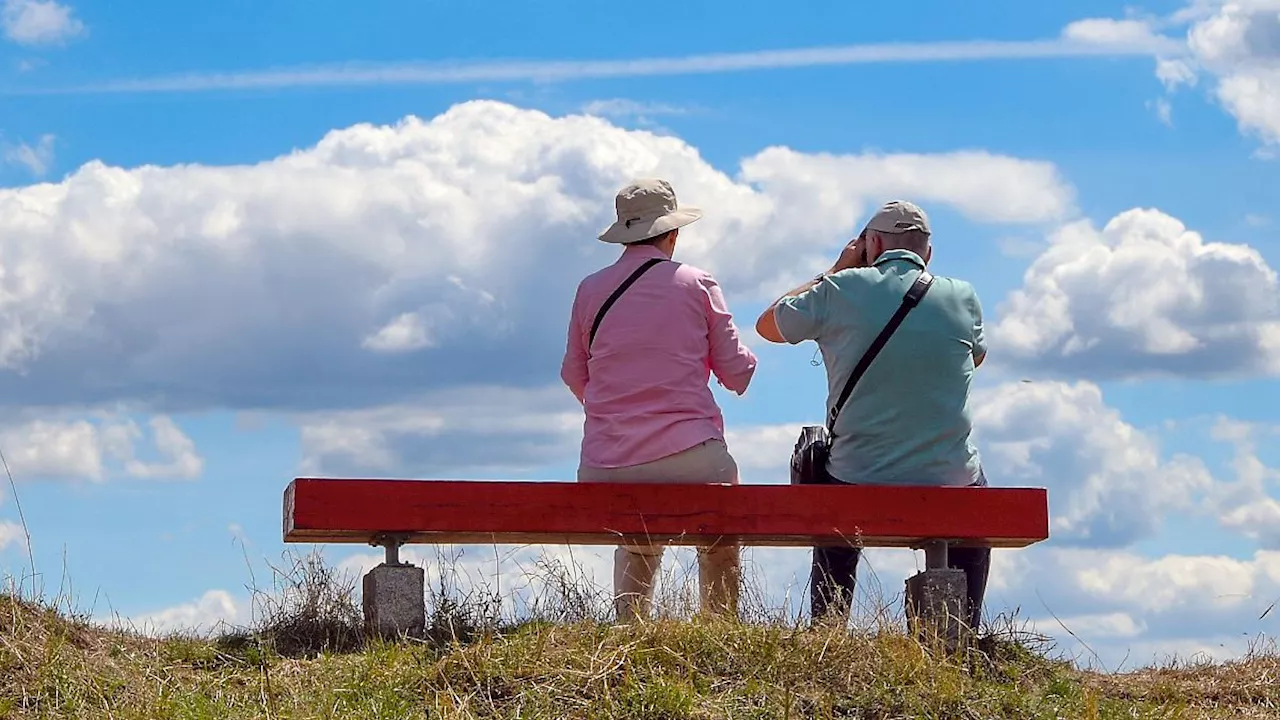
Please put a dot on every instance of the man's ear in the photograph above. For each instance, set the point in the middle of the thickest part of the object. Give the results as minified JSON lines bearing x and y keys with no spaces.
{"x":928,"y":253}
{"x":875,"y":247}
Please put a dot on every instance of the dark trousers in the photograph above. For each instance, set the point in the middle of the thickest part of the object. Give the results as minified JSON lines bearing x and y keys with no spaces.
{"x":834,"y":572}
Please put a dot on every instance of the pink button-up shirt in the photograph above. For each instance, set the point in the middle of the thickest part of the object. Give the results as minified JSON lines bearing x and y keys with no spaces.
{"x":644,"y":383}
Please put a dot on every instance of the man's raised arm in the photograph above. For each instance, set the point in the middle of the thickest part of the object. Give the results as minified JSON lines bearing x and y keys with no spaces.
{"x":803,"y":315}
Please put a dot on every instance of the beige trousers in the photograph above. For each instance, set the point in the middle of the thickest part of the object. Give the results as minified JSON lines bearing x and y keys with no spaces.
{"x":635,"y":566}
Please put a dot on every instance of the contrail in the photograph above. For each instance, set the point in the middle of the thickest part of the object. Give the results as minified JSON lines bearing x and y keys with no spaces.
{"x":440,"y":73}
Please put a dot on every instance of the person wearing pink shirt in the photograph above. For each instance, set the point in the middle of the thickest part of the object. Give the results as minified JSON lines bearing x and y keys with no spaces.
{"x":645,"y":335}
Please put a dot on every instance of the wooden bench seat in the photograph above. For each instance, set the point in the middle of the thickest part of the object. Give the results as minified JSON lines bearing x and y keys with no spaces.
{"x":391,"y":513}
{"x":319,"y":510}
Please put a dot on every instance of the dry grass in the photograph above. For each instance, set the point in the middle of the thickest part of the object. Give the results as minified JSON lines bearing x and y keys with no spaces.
{"x":561,"y":661}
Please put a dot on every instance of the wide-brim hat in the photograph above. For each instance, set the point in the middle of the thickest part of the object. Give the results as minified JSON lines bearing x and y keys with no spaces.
{"x":647,"y":208}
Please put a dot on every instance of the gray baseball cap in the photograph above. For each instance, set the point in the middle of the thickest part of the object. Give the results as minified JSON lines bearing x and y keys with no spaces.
{"x":899,"y":216}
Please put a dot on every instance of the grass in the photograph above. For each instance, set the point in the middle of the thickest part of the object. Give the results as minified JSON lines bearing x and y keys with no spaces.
{"x":306,"y":658}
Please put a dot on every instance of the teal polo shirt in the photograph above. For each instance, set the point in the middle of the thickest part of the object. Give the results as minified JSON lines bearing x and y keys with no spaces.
{"x":907,"y":421}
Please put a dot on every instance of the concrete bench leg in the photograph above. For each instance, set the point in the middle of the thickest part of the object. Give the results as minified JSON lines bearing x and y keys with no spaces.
{"x":395,"y":597}
{"x":937,"y":601}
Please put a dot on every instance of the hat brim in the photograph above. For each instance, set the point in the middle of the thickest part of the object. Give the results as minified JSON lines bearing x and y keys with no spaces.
{"x":621,"y":234}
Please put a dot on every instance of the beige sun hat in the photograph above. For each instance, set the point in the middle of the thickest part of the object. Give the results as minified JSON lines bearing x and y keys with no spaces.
{"x":647,"y":208}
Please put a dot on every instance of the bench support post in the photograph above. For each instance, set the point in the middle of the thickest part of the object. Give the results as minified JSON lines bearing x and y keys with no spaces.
{"x":937,"y":600}
{"x":394,"y":594}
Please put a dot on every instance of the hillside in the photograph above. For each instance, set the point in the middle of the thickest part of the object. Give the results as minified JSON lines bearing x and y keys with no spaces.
{"x":53,"y":666}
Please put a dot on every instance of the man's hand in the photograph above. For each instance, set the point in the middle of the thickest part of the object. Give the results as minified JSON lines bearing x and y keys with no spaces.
{"x":854,"y":255}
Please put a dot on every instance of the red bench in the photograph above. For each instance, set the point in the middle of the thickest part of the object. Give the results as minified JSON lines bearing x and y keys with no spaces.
{"x":393,"y":512}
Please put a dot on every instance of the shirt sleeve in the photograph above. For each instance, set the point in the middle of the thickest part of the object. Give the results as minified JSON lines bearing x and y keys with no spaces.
{"x":802,"y":317}
{"x":979,"y":334}
{"x":573,"y":369}
{"x":732,"y":362}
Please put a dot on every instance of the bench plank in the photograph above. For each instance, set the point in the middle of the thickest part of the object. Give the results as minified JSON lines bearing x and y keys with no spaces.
{"x":323,"y":510}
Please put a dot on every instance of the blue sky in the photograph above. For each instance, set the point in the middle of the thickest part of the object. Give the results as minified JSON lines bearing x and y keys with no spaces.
{"x":209,"y":213}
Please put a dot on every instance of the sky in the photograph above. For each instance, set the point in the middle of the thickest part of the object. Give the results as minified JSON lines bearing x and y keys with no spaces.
{"x":241,"y":242}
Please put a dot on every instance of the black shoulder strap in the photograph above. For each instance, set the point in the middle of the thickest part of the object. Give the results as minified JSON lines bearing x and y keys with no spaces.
{"x":618,"y":293}
{"x":914,"y":294}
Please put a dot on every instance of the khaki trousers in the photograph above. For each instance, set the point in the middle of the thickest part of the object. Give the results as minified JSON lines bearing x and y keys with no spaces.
{"x":635,"y":566}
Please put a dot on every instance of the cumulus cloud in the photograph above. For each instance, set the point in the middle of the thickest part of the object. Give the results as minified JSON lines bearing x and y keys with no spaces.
{"x":98,"y":447}
{"x":210,"y":612}
{"x":1117,"y":607}
{"x":1247,"y":504}
{"x":1125,"y":606}
{"x":1109,"y":483}
{"x":39,"y":22}
{"x":475,"y":429}
{"x":763,"y":452}
{"x":387,"y":261}
{"x":1237,"y":44}
{"x":1141,"y":296}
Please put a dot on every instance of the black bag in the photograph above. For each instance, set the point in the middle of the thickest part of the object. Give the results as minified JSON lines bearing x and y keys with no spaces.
{"x":809,"y":459}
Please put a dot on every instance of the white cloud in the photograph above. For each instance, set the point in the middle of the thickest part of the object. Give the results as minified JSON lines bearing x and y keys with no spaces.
{"x":1119,"y":33}
{"x":406,"y":332}
{"x":1247,"y":505}
{"x":1174,"y":73}
{"x":288,"y":284}
{"x":96,"y":448}
{"x":36,"y":158}
{"x":625,"y":108}
{"x":642,"y":114}
{"x":39,"y":22}
{"x":1132,"y":609}
{"x":479,"y":429}
{"x":1164,"y":111}
{"x":1109,"y":484}
{"x":1238,"y":43}
{"x":544,"y":71}
{"x":1143,"y":296}
{"x":1102,"y":625}
{"x":213,"y":611}
{"x":1123,"y":605}
{"x":177,"y":451}
{"x":763,"y":452}
{"x":1254,"y":99}
{"x":11,"y":533}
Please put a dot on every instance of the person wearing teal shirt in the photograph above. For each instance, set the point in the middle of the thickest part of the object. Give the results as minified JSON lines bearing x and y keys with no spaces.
{"x":907,"y":421}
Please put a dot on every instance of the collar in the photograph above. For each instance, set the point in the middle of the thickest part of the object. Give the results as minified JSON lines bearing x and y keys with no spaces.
{"x":641,"y":252}
{"x":892,"y":255}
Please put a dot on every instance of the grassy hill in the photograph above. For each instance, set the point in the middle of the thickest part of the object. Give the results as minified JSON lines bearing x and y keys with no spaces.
{"x":307,"y":661}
